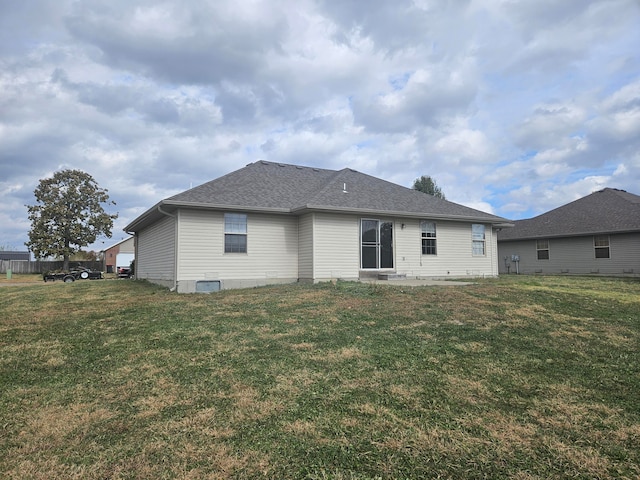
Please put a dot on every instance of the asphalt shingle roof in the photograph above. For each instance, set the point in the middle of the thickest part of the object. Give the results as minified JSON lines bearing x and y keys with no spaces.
{"x":605,"y":211}
{"x":285,"y":188}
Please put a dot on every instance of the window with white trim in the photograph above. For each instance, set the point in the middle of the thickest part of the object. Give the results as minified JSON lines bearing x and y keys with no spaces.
{"x":235,"y":233}
{"x":477,"y":240}
{"x":542,"y":249}
{"x":428,"y":229}
{"x":601,"y":245}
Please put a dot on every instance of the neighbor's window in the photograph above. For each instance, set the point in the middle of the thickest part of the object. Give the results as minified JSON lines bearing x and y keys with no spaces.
{"x":235,"y":233}
{"x":478,"y":239}
{"x":601,"y":244}
{"x":542,"y":247}
{"x":428,"y":237}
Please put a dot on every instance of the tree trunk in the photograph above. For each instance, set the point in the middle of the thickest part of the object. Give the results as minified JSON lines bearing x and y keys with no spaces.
{"x":65,"y":257}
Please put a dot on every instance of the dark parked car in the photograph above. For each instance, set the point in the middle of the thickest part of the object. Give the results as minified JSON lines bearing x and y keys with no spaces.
{"x":80,"y":273}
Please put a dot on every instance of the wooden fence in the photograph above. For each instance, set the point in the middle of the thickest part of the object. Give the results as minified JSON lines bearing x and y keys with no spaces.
{"x":42,"y":266}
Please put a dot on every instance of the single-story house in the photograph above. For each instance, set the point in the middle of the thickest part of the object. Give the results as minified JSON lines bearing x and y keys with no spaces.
{"x":277,"y":223}
{"x":596,"y":234}
{"x":119,"y":255}
{"x":14,"y":255}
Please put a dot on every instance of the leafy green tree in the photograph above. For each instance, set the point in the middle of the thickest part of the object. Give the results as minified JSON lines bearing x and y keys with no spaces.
{"x":428,"y":185}
{"x":68,"y":215}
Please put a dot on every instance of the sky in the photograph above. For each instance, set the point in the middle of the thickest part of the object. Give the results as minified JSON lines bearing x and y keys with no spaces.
{"x":514,"y":107}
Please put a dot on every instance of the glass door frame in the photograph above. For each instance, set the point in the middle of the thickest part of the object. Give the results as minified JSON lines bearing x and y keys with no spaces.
{"x":381,"y":244}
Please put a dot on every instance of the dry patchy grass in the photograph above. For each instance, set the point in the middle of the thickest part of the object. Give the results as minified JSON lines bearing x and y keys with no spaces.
{"x":514,"y":378}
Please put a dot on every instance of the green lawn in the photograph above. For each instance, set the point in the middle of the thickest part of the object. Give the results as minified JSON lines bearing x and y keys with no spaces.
{"x":519,"y":377}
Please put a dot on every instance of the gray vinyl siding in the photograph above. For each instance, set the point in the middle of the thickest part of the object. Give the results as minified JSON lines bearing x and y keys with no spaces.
{"x":305,"y":247}
{"x":271,"y":257}
{"x":336,"y":246}
{"x":155,"y":256}
{"x":454,"y":251}
{"x":574,"y":255}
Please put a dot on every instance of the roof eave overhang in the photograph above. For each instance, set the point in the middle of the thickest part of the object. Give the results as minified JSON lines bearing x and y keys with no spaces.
{"x":143,"y":219}
{"x":165,"y":207}
{"x":226,"y":206}
{"x":569,"y":235}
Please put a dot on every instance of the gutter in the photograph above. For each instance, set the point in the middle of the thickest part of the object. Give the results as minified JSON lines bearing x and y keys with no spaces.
{"x":227,"y":207}
{"x":495,"y":221}
{"x":568,"y":235}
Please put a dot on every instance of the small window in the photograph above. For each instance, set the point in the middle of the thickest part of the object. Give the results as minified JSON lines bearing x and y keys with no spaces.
{"x":207,"y":286}
{"x":601,"y":245}
{"x":478,"y":240}
{"x":542,"y":248}
{"x":428,"y":238}
{"x":235,"y":233}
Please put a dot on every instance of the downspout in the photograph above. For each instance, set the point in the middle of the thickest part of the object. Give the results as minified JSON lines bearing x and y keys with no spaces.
{"x":175,"y":247}
{"x":494,"y":258}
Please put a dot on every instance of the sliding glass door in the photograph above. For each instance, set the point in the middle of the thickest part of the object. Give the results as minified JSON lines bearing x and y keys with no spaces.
{"x":376,"y":244}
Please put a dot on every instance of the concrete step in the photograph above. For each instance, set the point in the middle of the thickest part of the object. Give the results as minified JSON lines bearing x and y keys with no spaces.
{"x":392,"y":276}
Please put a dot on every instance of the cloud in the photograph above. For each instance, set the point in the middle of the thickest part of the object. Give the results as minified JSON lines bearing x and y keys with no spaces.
{"x":550,"y":124}
{"x":428,"y":98}
{"x":512,"y":106}
{"x":207,"y":43}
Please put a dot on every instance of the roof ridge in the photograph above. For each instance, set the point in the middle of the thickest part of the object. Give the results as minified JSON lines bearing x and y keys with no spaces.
{"x":325,"y":187}
{"x":282,"y":164}
{"x":624,"y":195}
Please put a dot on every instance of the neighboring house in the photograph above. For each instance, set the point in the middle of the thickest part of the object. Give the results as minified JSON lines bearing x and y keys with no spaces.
{"x":14,"y":255}
{"x":597,"y":234}
{"x":119,"y":255}
{"x":277,"y":223}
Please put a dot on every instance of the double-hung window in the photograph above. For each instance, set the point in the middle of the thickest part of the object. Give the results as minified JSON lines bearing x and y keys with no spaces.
{"x":542,"y":249}
{"x":477,"y":240}
{"x":429,"y":246}
{"x":235,"y":233}
{"x":601,"y":245}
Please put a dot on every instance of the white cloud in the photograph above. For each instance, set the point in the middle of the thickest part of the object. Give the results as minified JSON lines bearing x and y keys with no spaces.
{"x":512,"y":106}
{"x":550,"y":124}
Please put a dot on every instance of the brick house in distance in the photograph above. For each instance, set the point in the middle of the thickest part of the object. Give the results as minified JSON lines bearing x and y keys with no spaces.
{"x":119,"y":255}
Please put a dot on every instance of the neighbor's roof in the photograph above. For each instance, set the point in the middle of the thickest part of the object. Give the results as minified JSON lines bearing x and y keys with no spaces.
{"x":605,"y":211}
{"x":127,"y":239}
{"x":14,"y":255}
{"x":292,"y":189}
